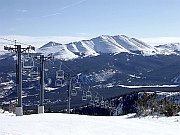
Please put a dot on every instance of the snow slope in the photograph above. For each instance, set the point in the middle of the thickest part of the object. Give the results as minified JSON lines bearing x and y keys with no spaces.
{"x":132,"y":44}
{"x":106,"y":44}
{"x":82,"y":47}
{"x":64,"y":124}
{"x":59,"y":51}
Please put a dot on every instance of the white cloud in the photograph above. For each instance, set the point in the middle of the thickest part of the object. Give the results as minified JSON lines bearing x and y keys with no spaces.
{"x":41,"y":40}
{"x":160,"y":40}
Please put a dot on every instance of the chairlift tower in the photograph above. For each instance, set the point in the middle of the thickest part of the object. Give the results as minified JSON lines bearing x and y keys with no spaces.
{"x":42,"y":60}
{"x":71,"y":91}
{"x":69,"y":79}
{"x":19,"y":50}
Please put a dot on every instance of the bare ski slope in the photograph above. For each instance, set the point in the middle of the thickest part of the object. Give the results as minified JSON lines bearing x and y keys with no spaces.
{"x":64,"y":124}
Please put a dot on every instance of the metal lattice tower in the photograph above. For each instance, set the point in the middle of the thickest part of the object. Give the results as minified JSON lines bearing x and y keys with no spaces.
{"x":42,"y":60}
{"x":19,"y":50}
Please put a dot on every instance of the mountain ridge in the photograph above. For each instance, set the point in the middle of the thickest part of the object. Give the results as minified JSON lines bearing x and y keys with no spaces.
{"x":103,"y":44}
{"x":96,"y":46}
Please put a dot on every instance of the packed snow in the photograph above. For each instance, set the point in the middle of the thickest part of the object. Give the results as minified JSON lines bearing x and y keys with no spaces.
{"x":70,"y":124}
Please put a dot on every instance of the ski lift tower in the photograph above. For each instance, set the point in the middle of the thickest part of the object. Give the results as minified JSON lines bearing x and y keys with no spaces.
{"x":19,"y":50}
{"x":69,"y":79}
{"x":42,"y":60}
{"x":70,"y":91}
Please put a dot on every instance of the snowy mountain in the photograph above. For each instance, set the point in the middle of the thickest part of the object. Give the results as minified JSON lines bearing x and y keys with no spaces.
{"x":132,"y":44}
{"x":167,"y":49}
{"x":82,"y":47}
{"x":106,"y":44}
{"x":95,"y":46}
{"x":59,"y":51}
{"x":103,"y":44}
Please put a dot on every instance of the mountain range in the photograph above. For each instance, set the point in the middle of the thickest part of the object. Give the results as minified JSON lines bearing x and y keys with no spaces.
{"x":103,"y":44}
{"x":106,"y":44}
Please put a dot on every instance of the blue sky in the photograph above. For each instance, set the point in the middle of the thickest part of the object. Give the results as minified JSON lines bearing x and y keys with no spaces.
{"x":144,"y":19}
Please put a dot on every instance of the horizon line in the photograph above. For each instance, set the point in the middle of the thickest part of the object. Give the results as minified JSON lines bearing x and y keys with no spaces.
{"x":42,"y":40}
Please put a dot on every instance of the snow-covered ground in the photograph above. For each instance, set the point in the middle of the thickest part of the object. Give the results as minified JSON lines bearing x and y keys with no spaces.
{"x":148,"y":86}
{"x":64,"y":124}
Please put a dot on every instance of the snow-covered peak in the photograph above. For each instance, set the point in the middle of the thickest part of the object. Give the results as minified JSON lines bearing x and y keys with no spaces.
{"x":51,"y":44}
{"x":126,"y":43}
{"x":59,"y":51}
{"x":132,"y":44}
{"x":171,"y":46}
{"x":167,"y":49}
{"x":82,"y":47}
{"x":106,"y":44}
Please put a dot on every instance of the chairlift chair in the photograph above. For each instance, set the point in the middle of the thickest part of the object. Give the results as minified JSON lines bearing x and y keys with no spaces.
{"x":77,"y":86}
{"x":97,"y":104}
{"x":24,"y":72}
{"x":25,"y":80}
{"x":73,"y":92}
{"x":58,"y":83}
{"x":28,"y":62}
{"x":111,"y":104}
{"x":34,"y":72}
{"x":31,"y":79}
{"x":84,"y":97}
{"x":49,"y":81}
{"x":88,"y":94}
{"x":60,"y":74}
{"x":46,"y":69}
{"x":102,"y":103}
{"x":91,"y":102}
{"x":96,"y":99}
{"x":106,"y":104}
